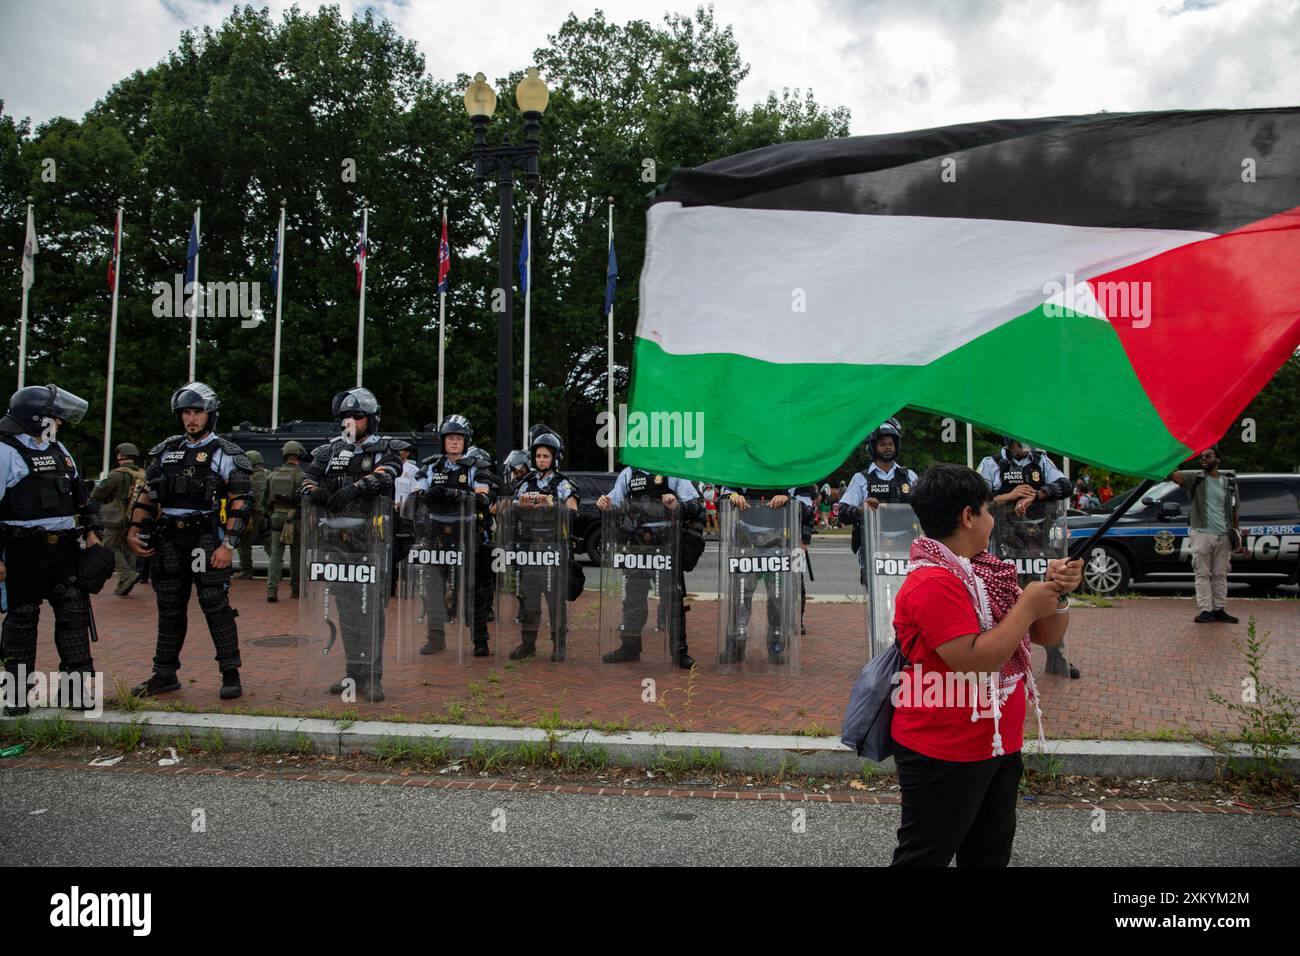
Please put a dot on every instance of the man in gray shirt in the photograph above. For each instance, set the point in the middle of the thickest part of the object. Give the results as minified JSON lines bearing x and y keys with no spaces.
{"x":1212,"y":527}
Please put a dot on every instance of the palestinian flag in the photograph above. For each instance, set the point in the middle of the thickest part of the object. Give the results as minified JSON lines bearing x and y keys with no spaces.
{"x":1114,"y":287}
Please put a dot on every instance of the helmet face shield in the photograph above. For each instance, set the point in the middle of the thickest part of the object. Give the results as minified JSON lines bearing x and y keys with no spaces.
{"x":195,"y":395}
{"x":355,"y":401}
{"x":66,"y":406}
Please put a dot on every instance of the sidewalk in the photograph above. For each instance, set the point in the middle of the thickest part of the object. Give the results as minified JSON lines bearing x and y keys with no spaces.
{"x":1146,"y":671}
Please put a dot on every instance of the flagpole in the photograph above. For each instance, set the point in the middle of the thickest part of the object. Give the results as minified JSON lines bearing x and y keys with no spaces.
{"x":970,"y":446}
{"x":112,"y":341}
{"x":361,"y":314}
{"x":198,"y":298}
{"x":528,"y":300}
{"x":279,"y":286}
{"x":22,"y":326}
{"x":442,"y":318}
{"x":609,"y":349}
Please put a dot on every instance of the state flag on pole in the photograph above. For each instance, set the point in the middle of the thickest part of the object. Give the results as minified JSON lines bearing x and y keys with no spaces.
{"x":444,"y":259}
{"x":611,"y":277}
{"x":30,"y":248}
{"x":1112,"y":287}
{"x":112,"y":259}
{"x":362,"y":251}
{"x":192,"y":252}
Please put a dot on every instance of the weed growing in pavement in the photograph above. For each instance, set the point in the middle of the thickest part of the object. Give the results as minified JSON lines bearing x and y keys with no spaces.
{"x":684,"y":721}
{"x":1268,"y":716}
{"x":1048,"y":766}
{"x":673,"y":763}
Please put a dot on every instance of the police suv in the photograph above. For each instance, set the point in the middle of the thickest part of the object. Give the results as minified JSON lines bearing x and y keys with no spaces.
{"x":1150,"y":542}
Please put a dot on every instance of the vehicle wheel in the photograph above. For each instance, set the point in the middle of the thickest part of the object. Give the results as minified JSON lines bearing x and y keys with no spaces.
{"x":1106,"y":574}
{"x":593,"y":546}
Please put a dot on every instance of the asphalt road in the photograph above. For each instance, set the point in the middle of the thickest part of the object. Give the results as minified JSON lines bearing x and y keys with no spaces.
{"x":93,"y":818}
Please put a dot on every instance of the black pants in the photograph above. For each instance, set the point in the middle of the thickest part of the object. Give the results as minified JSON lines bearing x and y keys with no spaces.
{"x":173,"y":576}
{"x":636,"y":608}
{"x":484,"y":580}
{"x":38,"y":570}
{"x":951,"y":807}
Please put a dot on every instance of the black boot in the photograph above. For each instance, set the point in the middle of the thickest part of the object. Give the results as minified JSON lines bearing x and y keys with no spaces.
{"x":733,"y":653}
{"x":775,"y":648}
{"x":1221,"y":614}
{"x":375,"y":689}
{"x":230,"y":686}
{"x":526,"y":649}
{"x":558,"y":652}
{"x":156,"y":684}
{"x":437,"y":642}
{"x":628,"y":650}
{"x":1056,"y":662}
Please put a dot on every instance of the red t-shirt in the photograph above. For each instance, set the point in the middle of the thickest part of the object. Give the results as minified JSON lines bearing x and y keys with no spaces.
{"x":934,"y":607}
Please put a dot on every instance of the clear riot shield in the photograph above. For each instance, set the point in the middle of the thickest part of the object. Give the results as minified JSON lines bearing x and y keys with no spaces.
{"x":435,"y":596}
{"x":760,"y":563}
{"x":1031,"y":541}
{"x":887,"y":536}
{"x":640,"y":593}
{"x":346,"y":557}
{"x":531,"y":561}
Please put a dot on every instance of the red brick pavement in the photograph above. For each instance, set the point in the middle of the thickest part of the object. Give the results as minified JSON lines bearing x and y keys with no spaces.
{"x":1146,"y":667}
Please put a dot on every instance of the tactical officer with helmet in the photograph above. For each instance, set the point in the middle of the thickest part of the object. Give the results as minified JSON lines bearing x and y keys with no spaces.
{"x":177,"y":524}
{"x":485,"y":473}
{"x":282,"y":499}
{"x":443,"y":480}
{"x":540,"y":491}
{"x":638,"y":485}
{"x":883,"y":481}
{"x":45,"y":510}
{"x":514,"y":468}
{"x":115,"y":495}
{"x":342,"y":480}
{"x":1023,"y":480}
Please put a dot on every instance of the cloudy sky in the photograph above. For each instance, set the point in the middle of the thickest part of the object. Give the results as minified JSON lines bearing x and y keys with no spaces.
{"x":897,"y":64}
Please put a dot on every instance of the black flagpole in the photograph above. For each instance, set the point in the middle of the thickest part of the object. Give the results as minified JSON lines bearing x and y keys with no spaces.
{"x":1083,"y":544}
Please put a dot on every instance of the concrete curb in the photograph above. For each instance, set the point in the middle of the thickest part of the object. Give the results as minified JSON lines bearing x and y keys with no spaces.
{"x":736,"y":752}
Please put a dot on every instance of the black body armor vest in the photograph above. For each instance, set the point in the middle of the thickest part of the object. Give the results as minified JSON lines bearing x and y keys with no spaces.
{"x":50,"y":489}
{"x":895,"y":489}
{"x":188,"y":480}
{"x":642,"y":484}
{"x":1012,"y":474}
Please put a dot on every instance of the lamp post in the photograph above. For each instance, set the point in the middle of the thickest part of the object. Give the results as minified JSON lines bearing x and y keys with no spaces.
{"x":480,"y":104}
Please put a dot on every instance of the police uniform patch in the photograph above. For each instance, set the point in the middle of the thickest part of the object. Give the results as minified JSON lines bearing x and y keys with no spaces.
{"x":1035,"y":476}
{"x":907,"y":489}
{"x":367,"y":463}
{"x":1165,"y":543}
{"x":659,"y":479}
{"x":67,"y":461}
{"x":201,"y":456}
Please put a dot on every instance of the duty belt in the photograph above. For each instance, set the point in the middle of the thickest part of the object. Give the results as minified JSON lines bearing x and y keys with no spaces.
{"x":193,"y":524}
{"x":16,"y":533}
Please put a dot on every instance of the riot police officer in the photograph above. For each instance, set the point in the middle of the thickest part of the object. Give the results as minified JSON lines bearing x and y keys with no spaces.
{"x":256,"y":515}
{"x":1023,"y":479}
{"x":777,"y":642}
{"x":541,"y":489}
{"x":441,"y":480}
{"x":178,"y":523}
{"x":514,"y":468}
{"x":356,"y":466}
{"x":42,"y":499}
{"x":883,"y":481}
{"x":635,"y":483}
{"x":484,"y":473}
{"x":116,"y":494}
{"x":282,"y":498}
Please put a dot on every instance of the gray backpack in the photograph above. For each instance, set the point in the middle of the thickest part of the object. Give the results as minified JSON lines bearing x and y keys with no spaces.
{"x":871,"y":708}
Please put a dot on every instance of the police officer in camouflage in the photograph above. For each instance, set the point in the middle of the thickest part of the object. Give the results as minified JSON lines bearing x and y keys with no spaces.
{"x":177,"y":525}
{"x":282,"y":501}
{"x":356,"y":466}
{"x":116,"y":494}
{"x":256,"y":516}
{"x":45,"y":509}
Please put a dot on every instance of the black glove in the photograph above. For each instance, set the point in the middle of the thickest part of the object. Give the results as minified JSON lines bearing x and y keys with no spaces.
{"x":316,"y":494}
{"x":95,"y":565}
{"x":850,"y":513}
{"x":344,"y":497}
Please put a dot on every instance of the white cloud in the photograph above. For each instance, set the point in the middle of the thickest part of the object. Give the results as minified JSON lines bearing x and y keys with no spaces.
{"x":895,"y":64}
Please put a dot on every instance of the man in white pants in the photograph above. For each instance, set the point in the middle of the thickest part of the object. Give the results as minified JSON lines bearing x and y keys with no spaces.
{"x":1212,"y":527}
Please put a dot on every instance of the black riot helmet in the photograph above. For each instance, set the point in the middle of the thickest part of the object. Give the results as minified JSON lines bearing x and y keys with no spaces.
{"x":454,"y":425}
{"x":477,"y":457}
{"x":546,"y":440}
{"x":356,"y":401}
{"x":196,"y":395}
{"x":893,"y":429}
{"x":31,"y":409}
{"x":516,"y":459}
